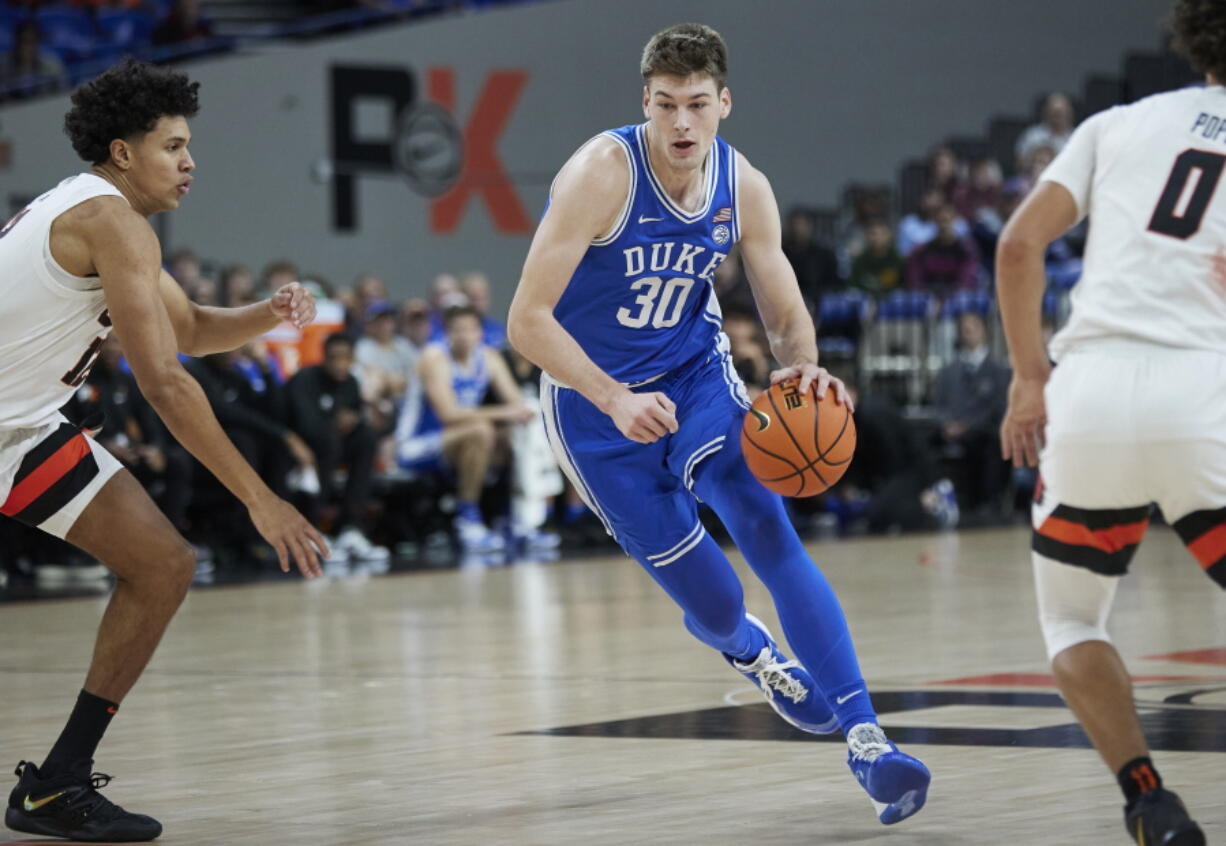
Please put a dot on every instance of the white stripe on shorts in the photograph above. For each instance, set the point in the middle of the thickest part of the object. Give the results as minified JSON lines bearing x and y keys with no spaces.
{"x":553,"y":430}
{"x":681,"y":548}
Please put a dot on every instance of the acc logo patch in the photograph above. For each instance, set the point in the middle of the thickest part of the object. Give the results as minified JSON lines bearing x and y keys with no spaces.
{"x":721,"y":234}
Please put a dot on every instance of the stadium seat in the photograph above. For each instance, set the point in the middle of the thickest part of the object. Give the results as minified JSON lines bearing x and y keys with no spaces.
{"x":67,"y":30}
{"x":9,"y":18}
{"x":894,"y":355}
{"x":125,"y":29}
{"x":976,"y":302}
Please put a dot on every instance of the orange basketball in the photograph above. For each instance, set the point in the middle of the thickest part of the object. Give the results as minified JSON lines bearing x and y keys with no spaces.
{"x":795,"y":444}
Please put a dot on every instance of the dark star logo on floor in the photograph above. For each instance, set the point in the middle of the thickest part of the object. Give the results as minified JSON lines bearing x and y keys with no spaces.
{"x":1180,"y":725}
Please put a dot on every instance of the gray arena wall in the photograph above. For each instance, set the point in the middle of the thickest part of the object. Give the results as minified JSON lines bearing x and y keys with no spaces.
{"x":345,"y":154}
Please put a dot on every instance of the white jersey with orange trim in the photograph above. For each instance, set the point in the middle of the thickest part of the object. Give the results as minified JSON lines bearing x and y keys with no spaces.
{"x":52,"y":323}
{"x":1147,"y":175}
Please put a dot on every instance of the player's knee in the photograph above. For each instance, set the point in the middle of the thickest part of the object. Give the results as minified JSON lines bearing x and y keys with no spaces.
{"x":1063,"y":632}
{"x":165,"y":567}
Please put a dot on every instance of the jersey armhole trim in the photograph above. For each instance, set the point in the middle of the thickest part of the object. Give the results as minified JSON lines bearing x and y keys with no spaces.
{"x":620,"y":224}
{"x":58,"y":280}
{"x":735,"y":188}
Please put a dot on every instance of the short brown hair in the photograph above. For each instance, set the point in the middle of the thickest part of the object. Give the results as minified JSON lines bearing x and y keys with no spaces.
{"x":1199,"y":27}
{"x":686,"y":49}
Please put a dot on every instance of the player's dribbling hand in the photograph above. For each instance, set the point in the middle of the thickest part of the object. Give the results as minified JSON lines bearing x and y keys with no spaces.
{"x":644,"y":418}
{"x":1021,"y":432}
{"x":810,"y":373}
{"x":289,"y":533}
{"x":294,"y":303}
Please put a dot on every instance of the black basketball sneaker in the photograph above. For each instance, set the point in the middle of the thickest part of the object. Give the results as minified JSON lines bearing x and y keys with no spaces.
{"x":1159,"y":818}
{"x":69,"y":805}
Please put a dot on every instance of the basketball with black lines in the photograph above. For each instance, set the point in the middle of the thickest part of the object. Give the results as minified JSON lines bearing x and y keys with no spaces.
{"x":794,"y":443}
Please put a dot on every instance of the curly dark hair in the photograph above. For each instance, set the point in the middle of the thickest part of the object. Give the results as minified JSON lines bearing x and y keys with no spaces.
{"x":685,"y":49}
{"x":1200,"y":34}
{"x":124,"y":102}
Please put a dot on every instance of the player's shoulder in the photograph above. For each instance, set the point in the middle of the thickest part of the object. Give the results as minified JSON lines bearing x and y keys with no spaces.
{"x":106,"y":213}
{"x":1146,"y":108}
{"x":752,"y":185}
{"x":601,"y":166}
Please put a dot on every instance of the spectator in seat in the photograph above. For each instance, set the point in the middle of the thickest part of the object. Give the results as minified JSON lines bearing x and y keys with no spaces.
{"x":945,"y":173}
{"x":415,"y":324}
{"x":386,"y":363}
{"x":947,"y":263}
{"x":444,"y":423}
{"x":816,"y":266}
{"x":183,"y":25}
{"x":445,"y":293}
{"x":368,"y":289}
{"x":237,"y":286}
{"x":878,"y":269}
{"x":1053,"y":130}
{"x":982,"y":190}
{"x":1036,"y":160}
{"x":921,"y":226}
{"x":185,"y":266}
{"x":969,"y":397}
{"x":111,"y":406}
{"x":249,"y":406}
{"x":28,"y":65}
{"x":476,"y":288}
{"x":326,"y":410}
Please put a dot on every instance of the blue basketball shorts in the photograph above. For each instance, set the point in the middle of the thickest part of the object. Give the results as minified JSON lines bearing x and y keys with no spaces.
{"x":642,"y":492}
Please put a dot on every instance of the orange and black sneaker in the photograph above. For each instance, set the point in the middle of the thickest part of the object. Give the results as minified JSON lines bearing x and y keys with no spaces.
{"x":1159,"y":818}
{"x":69,"y":805}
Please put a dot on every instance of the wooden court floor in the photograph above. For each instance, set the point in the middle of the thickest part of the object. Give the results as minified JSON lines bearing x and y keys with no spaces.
{"x":564,"y":704}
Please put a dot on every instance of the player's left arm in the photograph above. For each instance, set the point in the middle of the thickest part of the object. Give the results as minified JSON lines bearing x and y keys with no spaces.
{"x":203,"y":330}
{"x":789,"y":328}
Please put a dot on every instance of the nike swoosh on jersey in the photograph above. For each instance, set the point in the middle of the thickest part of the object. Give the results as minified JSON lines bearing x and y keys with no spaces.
{"x":643,"y":219}
{"x":841,"y":699}
{"x":35,"y":805}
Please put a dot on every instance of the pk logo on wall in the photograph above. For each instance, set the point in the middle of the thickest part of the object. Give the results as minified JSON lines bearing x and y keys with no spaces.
{"x":452,"y":166}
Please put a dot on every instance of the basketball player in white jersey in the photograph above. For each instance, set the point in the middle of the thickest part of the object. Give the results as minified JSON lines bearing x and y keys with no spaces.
{"x":78,"y":261}
{"x":1135,"y":413}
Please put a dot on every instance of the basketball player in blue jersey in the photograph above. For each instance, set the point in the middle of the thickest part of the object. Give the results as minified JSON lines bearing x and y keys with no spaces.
{"x":643,"y":406}
{"x":443,"y":419}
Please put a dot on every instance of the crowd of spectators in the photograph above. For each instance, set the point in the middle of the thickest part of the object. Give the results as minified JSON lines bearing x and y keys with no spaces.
{"x":399,"y":422}
{"x":938,"y":254}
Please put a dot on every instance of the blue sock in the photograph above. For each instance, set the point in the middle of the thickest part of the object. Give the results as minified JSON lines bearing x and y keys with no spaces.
{"x":469,"y":511}
{"x":811,"y":615}
{"x":573,"y":511}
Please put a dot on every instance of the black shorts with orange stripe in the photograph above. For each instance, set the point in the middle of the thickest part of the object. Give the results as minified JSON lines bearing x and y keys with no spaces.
{"x":1204,"y":533}
{"x":50,"y":476}
{"x":1100,"y":540}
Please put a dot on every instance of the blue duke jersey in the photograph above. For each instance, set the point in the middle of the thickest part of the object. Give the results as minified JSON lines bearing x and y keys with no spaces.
{"x":642,"y":303}
{"x":642,"y":306}
{"x":418,"y":428}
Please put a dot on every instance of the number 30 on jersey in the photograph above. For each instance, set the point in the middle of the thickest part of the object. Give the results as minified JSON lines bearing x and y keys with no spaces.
{"x":658,"y":302}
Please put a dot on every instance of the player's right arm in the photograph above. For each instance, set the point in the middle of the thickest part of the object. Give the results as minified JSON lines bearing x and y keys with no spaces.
{"x":1021,"y":277}
{"x":587,"y":198}
{"x":1061,"y":199}
{"x":124,"y":250}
